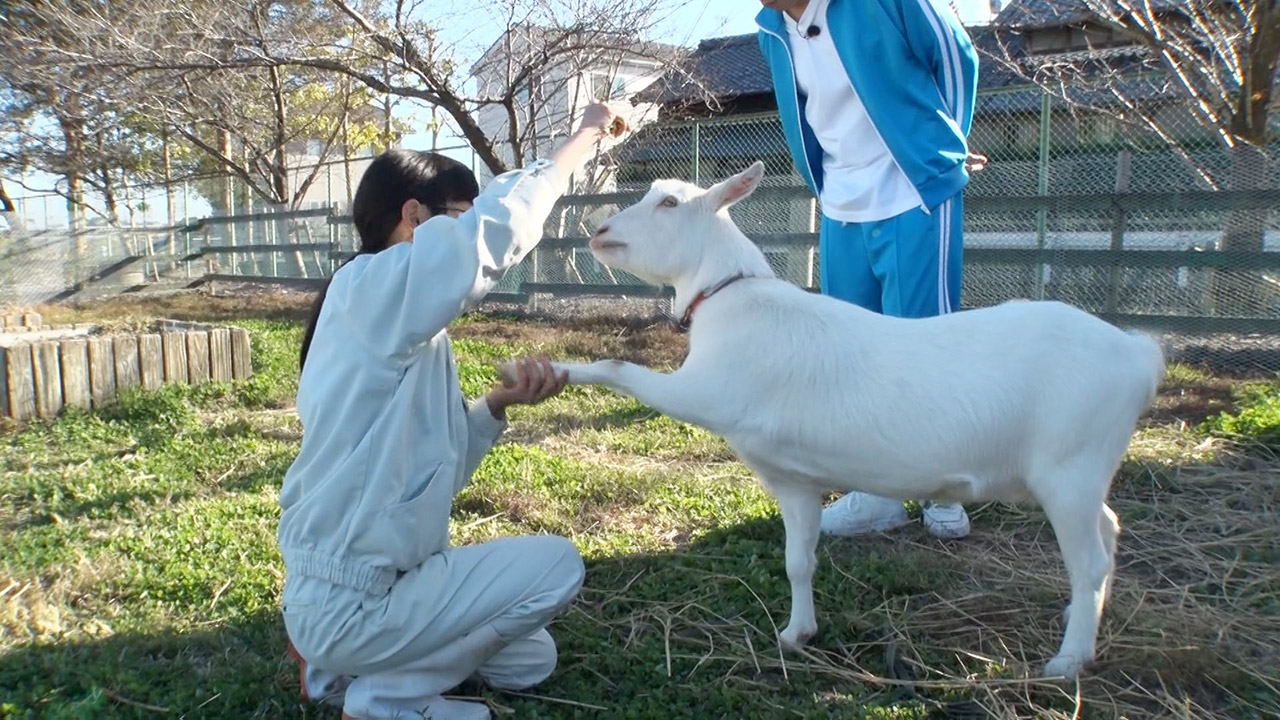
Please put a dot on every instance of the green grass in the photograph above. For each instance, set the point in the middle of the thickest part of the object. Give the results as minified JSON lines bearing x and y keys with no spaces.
{"x":1256,"y":420}
{"x":139,"y":570}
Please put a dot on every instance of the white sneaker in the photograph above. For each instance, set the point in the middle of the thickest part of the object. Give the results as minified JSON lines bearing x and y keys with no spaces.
{"x":859,"y":513}
{"x":443,"y":709}
{"x":949,"y":522}
{"x":439,"y":708}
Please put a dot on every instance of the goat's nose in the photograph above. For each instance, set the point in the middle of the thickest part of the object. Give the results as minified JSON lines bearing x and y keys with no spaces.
{"x":602,"y":229}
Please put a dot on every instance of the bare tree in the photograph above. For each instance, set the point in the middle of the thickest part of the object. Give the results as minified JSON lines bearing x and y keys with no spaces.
{"x":238,"y":81}
{"x":542,"y":49}
{"x":51,"y":113}
{"x":1215,"y":60}
{"x":534,"y":82}
{"x":248,"y":118}
{"x":190,"y":71}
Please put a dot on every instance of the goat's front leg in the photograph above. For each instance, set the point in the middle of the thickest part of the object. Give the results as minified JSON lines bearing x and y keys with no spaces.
{"x":678,"y":394}
{"x":801,"y":514}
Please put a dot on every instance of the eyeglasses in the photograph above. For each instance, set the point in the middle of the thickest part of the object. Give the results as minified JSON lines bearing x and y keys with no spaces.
{"x":452,"y":211}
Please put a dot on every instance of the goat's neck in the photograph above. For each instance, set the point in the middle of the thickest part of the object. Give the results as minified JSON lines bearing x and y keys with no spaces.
{"x":720,"y":260}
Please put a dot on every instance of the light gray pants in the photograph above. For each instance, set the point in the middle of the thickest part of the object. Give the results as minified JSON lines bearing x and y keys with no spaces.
{"x":478,"y":609}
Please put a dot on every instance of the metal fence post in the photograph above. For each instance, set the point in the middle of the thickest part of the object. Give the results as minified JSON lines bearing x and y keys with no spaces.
{"x":697,"y":152}
{"x":1042,"y":186}
{"x":1119,"y":223}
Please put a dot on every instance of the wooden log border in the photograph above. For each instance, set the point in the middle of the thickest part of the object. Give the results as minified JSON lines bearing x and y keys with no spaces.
{"x":41,"y":376}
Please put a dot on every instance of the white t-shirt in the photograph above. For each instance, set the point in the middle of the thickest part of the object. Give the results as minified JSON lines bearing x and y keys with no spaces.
{"x":861,"y":180}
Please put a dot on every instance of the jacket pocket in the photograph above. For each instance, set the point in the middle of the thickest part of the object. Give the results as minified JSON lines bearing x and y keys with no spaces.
{"x":415,"y":491}
{"x":407,"y":532}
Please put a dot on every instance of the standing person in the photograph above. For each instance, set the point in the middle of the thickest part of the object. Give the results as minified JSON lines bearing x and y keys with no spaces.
{"x":381,"y":613}
{"x":876,"y":98}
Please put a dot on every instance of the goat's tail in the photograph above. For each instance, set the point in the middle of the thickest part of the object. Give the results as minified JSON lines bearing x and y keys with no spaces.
{"x":1153,"y":357}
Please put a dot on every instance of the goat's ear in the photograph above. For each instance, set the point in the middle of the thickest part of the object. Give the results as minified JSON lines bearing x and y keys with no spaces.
{"x":738,"y":187}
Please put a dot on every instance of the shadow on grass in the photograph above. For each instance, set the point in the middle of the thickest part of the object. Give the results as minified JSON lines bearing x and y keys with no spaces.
{"x":622,"y":417}
{"x":909,"y":628}
{"x":615,"y":658}
{"x":236,"y":669}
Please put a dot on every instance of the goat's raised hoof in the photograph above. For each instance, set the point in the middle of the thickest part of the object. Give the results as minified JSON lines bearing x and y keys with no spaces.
{"x":507,"y":373}
{"x":1067,"y":666}
{"x":793,"y":636}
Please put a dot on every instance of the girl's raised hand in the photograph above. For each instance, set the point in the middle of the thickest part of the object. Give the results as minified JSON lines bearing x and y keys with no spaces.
{"x":535,"y":381}
{"x":604,"y":119}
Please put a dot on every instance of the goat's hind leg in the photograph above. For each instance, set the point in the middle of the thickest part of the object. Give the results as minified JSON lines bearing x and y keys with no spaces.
{"x":801,"y":514}
{"x":1109,"y":528}
{"x":1073,"y":499}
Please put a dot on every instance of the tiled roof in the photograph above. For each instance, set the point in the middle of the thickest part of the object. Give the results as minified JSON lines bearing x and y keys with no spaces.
{"x":1031,"y":14}
{"x":730,"y":67}
{"x":721,"y":67}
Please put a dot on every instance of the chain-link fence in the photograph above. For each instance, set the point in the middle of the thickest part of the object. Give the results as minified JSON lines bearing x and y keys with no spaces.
{"x":178,"y":233}
{"x":1160,"y":229}
{"x":1174,"y":234}
{"x":59,"y":265}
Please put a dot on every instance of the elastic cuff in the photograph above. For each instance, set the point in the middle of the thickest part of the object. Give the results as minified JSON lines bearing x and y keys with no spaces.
{"x":482,"y":420}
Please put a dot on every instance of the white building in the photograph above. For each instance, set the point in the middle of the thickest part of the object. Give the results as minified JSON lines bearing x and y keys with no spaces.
{"x":552,"y":75}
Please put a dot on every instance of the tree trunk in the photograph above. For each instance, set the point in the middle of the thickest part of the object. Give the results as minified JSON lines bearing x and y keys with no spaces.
{"x":170,"y":203}
{"x":129,"y":205}
{"x":250,"y":231}
{"x":6,"y":203}
{"x":228,"y":192}
{"x":279,"y":169}
{"x":170,"y":206}
{"x":346,"y":155}
{"x":228,"y":198}
{"x":71,"y":133}
{"x":109,"y":196}
{"x":1241,"y":293}
{"x":17,"y":224}
{"x":435,"y":129}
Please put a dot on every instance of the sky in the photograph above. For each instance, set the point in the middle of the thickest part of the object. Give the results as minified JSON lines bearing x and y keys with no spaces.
{"x":470,"y":35}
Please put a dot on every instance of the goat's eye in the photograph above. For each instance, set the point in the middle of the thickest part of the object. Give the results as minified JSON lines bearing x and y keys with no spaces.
{"x":669,"y":202}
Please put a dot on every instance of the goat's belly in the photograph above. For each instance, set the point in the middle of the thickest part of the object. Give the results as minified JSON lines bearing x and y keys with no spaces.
{"x":905,"y":481}
{"x":944,"y":488}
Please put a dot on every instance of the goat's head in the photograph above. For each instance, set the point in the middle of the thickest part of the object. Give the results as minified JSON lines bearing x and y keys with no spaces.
{"x":663,"y":237}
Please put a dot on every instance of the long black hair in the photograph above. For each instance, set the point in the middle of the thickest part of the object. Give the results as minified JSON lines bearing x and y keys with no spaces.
{"x":393,"y":178}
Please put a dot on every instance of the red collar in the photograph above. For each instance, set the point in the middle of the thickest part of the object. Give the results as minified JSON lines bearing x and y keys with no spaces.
{"x":687,"y":319}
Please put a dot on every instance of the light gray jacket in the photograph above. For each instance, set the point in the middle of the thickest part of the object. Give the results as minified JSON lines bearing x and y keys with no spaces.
{"x":387,"y":437}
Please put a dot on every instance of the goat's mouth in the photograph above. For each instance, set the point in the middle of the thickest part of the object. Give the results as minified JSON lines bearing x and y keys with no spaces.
{"x":603,"y":244}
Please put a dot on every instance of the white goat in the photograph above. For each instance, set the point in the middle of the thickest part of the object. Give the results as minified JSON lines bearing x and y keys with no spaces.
{"x":1025,"y":401}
